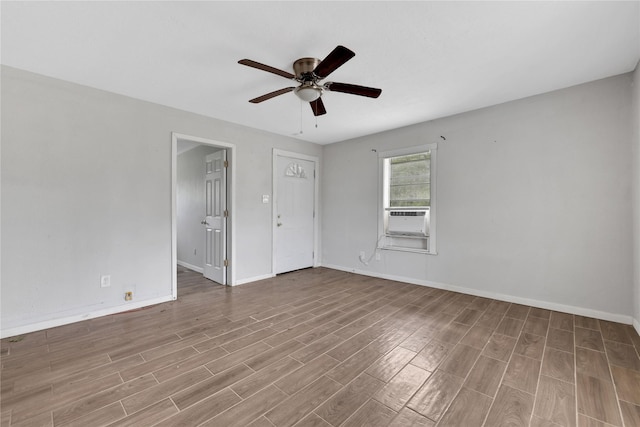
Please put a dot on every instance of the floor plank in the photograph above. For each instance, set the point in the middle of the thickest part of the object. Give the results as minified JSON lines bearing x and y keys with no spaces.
{"x":345,"y":402}
{"x":522,"y":373}
{"x":597,"y":399}
{"x":558,"y":364}
{"x":511,"y":407}
{"x":589,"y":338}
{"x":530,"y":345}
{"x":469,"y":409}
{"x":555,"y":402}
{"x":432,"y":355}
{"x":371,"y":413}
{"x":499,"y":347}
{"x":486,"y":375}
{"x":433,"y":398}
{"x":296,"y":407}
{"x":460,"y":360}
{"x":305,"y":375}
{"x":592,"y":363}
{"x":564,"y":340}
{"x":627,"y":383}
{"x":400,"y":388}
{"x":388,"y":366}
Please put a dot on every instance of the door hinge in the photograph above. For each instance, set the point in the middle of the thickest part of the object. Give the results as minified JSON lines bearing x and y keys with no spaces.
{"x":226,"y":263}
{"x":226,"y":163}
{"x":226,"y":213}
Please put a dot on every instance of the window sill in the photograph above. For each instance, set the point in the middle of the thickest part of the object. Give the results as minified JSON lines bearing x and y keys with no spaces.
{"x":402,"y":249}
{"x":415,"y":244}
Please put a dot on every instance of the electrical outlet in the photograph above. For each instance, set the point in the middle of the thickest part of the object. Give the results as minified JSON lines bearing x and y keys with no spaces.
{"x":195,"y":251}
{"x":105,"y":281}
{"x":378,"y":256}
{"x":128,"y":296}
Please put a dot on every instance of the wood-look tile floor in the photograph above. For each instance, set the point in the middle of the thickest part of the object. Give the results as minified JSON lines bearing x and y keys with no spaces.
{"x":321,"y":347}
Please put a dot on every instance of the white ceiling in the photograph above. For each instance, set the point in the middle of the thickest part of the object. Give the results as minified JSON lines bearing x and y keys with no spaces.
{"x":431,"y":59}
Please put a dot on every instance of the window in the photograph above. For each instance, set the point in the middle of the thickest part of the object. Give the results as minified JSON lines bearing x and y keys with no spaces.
{"x":409,"y":180}
{"x":407,"y":211}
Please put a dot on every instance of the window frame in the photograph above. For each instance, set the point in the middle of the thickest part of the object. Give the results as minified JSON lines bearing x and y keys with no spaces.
{"x":395,"y":243}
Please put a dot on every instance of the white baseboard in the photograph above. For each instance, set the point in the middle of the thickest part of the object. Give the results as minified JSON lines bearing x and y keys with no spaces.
{"x":612,"y":317}
{"x":190,"y":266}
{"x":25,"y":329}
{"x":19,"y":330}
{"x":38,"y":326}
{"x":254,"y":279}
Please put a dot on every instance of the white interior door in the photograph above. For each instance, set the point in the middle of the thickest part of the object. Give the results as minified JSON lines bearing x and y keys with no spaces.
{"x":294,"y":210}
{"x":215,"y":221}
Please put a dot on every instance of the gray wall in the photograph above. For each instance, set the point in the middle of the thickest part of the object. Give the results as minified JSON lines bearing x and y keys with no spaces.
{"x":636,"y":193}
{"x":191,"y":205}
{"x":86,"y":191}
{"x":533,"y":201}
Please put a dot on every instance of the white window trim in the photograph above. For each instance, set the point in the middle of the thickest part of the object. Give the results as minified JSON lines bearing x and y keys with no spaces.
{"x":433,"y":148}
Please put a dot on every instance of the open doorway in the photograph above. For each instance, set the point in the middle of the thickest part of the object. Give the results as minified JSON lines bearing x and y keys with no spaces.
{"x":203,"y":208}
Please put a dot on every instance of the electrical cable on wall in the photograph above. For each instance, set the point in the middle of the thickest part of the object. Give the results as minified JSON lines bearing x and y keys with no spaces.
{"x":375,"y":251}
{"x":300,"y":117}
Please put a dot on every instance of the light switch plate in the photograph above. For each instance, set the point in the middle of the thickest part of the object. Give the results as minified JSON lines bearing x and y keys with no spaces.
{"x":105,"y":281}
{"x":265,"y":198}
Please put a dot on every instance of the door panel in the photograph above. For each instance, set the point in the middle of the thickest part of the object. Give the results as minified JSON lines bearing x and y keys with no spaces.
{"x":215,"y":221}
{"x":295,"y":206}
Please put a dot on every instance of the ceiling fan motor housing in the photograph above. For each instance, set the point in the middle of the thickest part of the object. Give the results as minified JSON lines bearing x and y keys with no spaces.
{"x":303,"y":69}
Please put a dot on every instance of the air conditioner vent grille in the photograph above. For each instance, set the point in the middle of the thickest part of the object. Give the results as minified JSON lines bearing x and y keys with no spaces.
{"x":408,"y":222}
{"x":407,"y":213}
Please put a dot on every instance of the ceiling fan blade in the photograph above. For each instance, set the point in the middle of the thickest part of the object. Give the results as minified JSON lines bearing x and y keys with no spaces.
{"x":317,"y":107}
{"x":333,"y":61}
{"x":259,"y":66}
{"x":271,"y":95}
{"x":353,"y":89}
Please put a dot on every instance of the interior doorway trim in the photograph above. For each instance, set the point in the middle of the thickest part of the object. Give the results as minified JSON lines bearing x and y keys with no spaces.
{"x":231,"y":204}
{"x":316,"y":190}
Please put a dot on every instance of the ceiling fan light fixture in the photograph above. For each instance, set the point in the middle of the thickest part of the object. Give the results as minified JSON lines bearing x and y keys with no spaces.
{"x":308,"y":92}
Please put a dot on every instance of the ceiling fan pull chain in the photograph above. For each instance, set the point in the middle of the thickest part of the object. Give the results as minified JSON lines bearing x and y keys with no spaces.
{"x":301,"y":117}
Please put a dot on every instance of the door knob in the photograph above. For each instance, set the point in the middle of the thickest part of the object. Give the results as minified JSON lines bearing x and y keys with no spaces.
{"x":203,"y":222}
{"x":279,"y":224}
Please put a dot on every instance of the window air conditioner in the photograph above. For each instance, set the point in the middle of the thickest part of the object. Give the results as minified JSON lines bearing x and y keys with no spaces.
{"x":408,"y":223}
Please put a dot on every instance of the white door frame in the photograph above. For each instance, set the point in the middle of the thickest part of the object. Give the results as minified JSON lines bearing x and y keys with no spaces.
{"x":231,"y":205}
{"x":274,"y":214}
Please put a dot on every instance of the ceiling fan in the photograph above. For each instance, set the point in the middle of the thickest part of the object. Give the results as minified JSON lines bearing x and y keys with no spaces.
{"x":309,"y":72}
